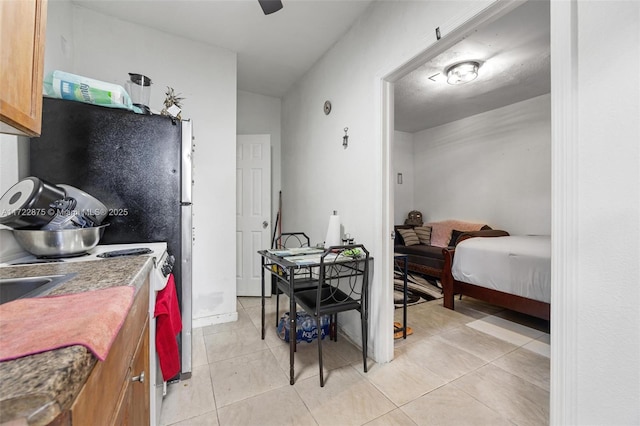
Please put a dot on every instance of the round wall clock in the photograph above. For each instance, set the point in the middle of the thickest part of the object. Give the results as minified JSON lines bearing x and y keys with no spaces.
{"x":327,"y":107}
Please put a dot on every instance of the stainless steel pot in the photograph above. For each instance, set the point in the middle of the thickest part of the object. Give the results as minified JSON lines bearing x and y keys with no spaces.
{"x":26,"y":204}
{"x":59,"y":243}
{"x":87,"y":205}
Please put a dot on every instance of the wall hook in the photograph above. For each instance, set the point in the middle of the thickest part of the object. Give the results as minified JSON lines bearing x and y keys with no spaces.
{"x":345,"y":138}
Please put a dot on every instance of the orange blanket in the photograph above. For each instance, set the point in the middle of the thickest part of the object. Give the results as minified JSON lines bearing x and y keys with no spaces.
{"x":92,"y":319}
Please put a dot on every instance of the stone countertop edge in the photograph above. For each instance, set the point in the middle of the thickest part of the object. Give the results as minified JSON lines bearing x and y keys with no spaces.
{"x":37,"y":388}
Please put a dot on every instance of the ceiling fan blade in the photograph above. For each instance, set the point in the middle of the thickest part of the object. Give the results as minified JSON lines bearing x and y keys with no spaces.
{"x":270,"y":6}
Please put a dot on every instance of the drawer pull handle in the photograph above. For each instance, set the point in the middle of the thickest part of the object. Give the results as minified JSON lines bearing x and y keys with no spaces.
{"x":139,"y":378}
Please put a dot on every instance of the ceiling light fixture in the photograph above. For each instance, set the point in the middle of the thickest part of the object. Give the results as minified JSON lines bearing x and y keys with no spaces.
{"x":463,"y":72}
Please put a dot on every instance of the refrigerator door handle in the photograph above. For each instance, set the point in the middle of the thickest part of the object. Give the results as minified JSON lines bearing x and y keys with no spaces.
{"x":187,"y":149}
{"x":187,"y":291}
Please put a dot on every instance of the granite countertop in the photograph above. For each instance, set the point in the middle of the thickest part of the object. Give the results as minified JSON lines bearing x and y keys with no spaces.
{"x":39,"y":387}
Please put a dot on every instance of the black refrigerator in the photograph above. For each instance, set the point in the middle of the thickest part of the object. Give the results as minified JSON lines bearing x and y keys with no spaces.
{"x":139,"y":166}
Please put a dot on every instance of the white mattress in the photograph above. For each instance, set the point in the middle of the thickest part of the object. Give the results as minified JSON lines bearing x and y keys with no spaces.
{"x":518,"y":265}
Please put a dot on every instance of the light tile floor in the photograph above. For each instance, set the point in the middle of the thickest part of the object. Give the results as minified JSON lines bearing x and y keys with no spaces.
{"x":478,"y":365}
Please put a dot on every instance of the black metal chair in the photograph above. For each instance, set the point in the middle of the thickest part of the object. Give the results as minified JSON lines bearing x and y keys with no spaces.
{"x":304,"y":278}
{"x":342,"y":285}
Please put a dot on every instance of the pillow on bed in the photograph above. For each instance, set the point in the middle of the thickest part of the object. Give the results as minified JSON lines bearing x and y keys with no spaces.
{"x":409,"y":236}
{"x":455,"y":234}
{"x":441,"y":231}
{"x":424,"y":234}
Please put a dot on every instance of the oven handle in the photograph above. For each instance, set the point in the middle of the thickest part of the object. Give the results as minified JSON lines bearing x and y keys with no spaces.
{"x":167,"y":266}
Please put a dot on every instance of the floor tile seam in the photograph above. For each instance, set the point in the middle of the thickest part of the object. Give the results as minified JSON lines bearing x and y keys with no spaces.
{"x":417,"y":327}
{"x":295,"y":388}
{"x":440,"y":331}
{"x":379,"y":389}
{"x":189,"y":418}
{"x":507,"y":353}
{"x":250,"y":325}
{"x":481,"y":358}
{"x":250,"y":397}
{"x":365,"y":376}
{"x":511,"y":374}
{"x":401,"y":408}
{"x":316,"y":378}
{"x":241,"y":355}
{"x":286,"y":372}
{"x":422,"y":395}
{"x":498,"y":413}
{"x":527,"y":349}
{"x":538,"y":353}
{"x":515,"y":347}
{"x":522,"y":346}
{"x":382,"y":415}
{"x":403,"y":343}
{"x":213,"y":394}
{"x":519,"y":376}
{"x":473,"y":370}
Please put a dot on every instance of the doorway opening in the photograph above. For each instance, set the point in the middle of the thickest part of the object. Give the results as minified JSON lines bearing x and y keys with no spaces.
{"x":398,"y":82}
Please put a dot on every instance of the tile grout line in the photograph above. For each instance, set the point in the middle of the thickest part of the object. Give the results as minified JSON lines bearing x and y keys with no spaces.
{"x":350,"y":364}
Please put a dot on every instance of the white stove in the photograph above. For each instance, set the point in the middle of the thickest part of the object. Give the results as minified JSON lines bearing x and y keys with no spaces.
{"x":162,"y":266}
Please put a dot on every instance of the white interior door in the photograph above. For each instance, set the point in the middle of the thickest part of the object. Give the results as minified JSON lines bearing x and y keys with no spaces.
{"x":253,"y":210}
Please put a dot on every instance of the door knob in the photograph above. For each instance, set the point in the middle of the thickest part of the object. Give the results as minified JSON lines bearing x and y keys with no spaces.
{"x":139,"y":378}
{"x":265,"y":224}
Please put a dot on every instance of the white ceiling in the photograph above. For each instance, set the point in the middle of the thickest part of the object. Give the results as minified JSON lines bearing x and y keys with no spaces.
{"x":515,"y":65}
{"x":274,"y":51}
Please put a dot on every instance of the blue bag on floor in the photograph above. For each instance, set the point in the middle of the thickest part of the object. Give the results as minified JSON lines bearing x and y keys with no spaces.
{"x":306,"y":328}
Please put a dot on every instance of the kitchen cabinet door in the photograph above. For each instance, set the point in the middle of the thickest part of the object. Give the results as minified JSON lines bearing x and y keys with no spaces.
{"x":135,"y":409}
{"x":22,"y":38}
{"x":110,"y":396}
{"x":140,"y":394}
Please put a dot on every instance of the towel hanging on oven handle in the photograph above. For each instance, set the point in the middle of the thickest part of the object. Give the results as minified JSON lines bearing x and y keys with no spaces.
{"x":167,"y":267}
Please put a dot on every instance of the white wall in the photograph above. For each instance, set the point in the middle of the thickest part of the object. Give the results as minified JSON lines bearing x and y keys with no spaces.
{"x":260,"y":114}
{"x":403,"y":200}
{"x":59,"y":47}
{"x":57,"y":55}
{"x":596,"y":377}
{"x":318,"y":175}
{"x":14,"y":153}
{"x":492,"y":168}
{"x":106,"y":48}
{"x":11,"y":148}
{"x":595,"y":336}
{"x":13,"y":167}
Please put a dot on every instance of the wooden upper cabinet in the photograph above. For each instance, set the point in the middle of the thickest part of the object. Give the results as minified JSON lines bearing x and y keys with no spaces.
{"x":22,"y":37}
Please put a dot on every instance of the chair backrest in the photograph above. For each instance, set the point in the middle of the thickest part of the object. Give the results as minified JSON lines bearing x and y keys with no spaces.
{"x":344,"y":270}
{"x":293,"y":240}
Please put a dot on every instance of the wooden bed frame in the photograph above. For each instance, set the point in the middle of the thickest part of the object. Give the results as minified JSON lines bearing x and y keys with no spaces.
{"x":451,"y":287}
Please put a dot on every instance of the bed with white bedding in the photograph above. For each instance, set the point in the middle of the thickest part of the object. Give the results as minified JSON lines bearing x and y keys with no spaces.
{"x":513,"y":272}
